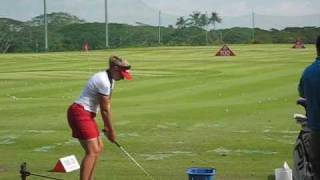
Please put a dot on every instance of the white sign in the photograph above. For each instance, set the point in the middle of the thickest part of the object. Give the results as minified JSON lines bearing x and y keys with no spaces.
{"x":67,"y":164}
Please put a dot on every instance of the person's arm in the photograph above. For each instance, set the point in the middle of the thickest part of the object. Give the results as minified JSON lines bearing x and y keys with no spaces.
{"x":105,"y":108}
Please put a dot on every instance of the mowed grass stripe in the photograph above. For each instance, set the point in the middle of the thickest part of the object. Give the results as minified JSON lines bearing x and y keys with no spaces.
{"x":42,"y":88}
{"x":177,"y":88}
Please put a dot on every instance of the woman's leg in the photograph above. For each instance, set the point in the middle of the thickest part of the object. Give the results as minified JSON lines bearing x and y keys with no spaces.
{"x":97,"y":158}
{"x":93,"y":148}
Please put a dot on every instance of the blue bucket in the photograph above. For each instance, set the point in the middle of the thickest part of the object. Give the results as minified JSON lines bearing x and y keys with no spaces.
{"x":196,"y":173}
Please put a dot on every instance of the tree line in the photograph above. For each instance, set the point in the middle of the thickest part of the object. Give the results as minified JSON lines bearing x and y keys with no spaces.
{"x":68,"y":33}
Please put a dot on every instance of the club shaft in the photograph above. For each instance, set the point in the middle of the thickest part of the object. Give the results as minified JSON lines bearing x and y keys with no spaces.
{"x":128,"y":155}
{"x":44,"y":176}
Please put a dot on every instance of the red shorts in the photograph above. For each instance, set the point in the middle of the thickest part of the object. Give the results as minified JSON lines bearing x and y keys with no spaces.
{"x":82,"y":122}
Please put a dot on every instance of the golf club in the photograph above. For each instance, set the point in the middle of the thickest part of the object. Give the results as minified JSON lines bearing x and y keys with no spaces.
{"x":130,"y":157}
{"x":25,"y":173}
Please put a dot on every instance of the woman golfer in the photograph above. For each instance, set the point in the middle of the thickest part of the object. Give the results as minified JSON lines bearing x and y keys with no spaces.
{"x":81,"y":114}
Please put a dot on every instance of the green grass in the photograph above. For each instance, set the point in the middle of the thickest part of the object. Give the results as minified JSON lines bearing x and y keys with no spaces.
{"x":184,"y":108}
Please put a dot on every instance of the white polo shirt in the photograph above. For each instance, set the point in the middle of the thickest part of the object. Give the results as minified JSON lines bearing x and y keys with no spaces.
{"x":99,"y":83}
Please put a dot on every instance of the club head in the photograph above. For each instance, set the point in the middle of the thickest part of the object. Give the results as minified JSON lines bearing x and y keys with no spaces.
{"x":300,"y":119}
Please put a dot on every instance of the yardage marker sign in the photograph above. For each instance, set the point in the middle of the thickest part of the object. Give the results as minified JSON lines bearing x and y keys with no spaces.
{"x":67,"y":164}
{"x":225,"y":51}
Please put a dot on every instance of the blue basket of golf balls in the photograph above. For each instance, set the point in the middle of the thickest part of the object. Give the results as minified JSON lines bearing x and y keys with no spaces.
{"x":198,"y":173}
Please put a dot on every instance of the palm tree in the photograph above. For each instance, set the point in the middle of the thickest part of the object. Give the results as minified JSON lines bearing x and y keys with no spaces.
{"x":214,"y":19}
{"x":204,"y":22}
{"x":195,"y":19}
{"x":181,"y":23}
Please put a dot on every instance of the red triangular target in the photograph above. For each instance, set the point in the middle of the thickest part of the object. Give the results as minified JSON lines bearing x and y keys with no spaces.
{"x":66,"y":164}
{"x":59,"y":167}
{"x":225,"y":51}
{"x":298,"y":44}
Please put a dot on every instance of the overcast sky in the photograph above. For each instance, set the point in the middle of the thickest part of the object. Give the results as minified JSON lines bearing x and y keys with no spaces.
{"x":92,"y":10}
{"x":239,"y":7}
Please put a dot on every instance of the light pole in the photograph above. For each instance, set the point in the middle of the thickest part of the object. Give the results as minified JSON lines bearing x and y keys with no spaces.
{"x":253,"y":28}
{"x":159,"y":38}
{"x":106,"y":21}
{"x":45,"y":25}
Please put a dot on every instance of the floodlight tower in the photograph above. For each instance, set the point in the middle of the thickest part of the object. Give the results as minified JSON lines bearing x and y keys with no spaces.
{"x":159,"y":38}
{"x":45,"y":24}
{"x":106,"y":21}
{"x":253,"y":27}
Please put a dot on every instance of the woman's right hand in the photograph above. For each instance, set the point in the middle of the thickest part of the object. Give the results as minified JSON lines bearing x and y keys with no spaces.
{"x":110,"y":134}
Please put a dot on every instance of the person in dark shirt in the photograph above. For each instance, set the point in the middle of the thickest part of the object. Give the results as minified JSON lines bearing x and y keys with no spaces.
{"x":309,"y":88}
